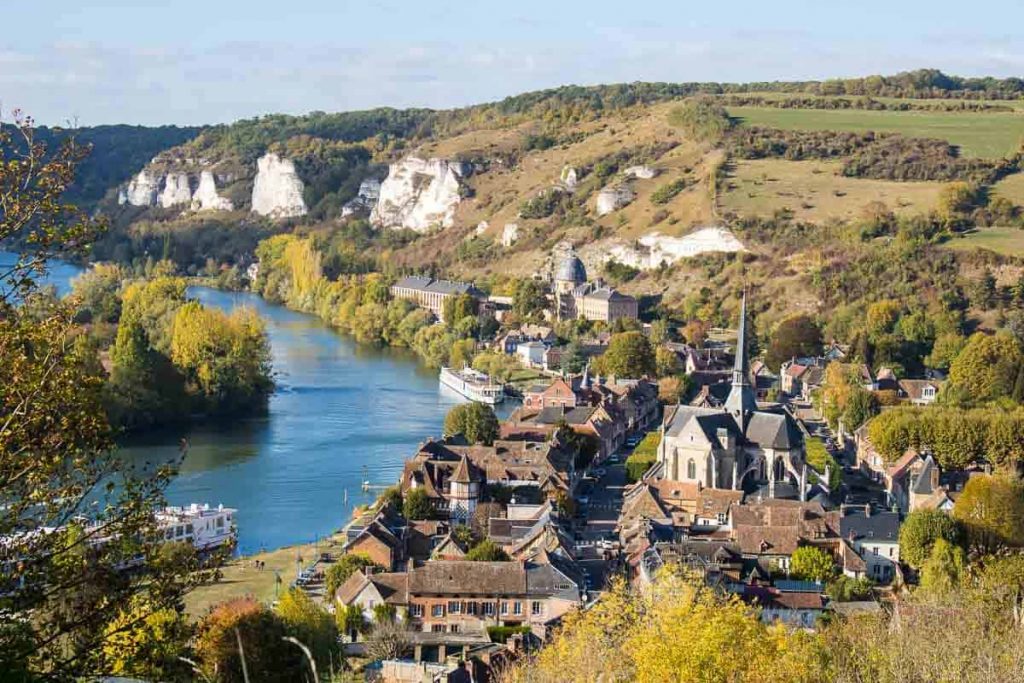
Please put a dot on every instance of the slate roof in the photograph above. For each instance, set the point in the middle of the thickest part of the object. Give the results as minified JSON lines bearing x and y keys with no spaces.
{"x":390,"y":585}
{"x":768,"y":429}
{"x":923,"y":485}
{"x":773,"y":430}
{"x":429,"y":284}
{"x":880,"y":525}
{"x":571,"y":269}
{"x":465,"y":578}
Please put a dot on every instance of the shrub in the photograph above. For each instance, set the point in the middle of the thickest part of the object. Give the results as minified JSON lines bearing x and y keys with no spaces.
{"x":666,"y":192}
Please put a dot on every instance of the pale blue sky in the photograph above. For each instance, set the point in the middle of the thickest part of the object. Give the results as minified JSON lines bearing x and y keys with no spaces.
{"x":210,"y":61}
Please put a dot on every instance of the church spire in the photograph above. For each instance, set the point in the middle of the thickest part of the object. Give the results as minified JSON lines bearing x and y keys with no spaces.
{"x":741,"y":401}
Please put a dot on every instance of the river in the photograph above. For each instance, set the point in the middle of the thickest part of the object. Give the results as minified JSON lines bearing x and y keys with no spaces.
{"x":342,"y":413}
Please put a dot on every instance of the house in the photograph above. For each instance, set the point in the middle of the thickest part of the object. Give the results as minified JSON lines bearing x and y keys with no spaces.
{"x":559,"y":393}
{"x":801,"y":380}
{"x":531,"y":353}
{"x":795,"y":609}
{"x":462,"y":597}
{"x":770,"y":531}
{"x":874,"y":535}
{"x":432,"y":294}
{"x":920,"y":392}
{"x":380,"y":535}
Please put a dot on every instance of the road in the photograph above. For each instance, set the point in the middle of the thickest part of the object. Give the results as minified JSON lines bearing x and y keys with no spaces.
{"x":601,"y":514}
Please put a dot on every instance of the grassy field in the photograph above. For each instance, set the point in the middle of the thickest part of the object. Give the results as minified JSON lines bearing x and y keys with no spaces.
{"x":1011,"y":187}
{"x":982,"y":134}
{"x":1006,"y":241}
{"x":813,"y":191}
{"x":242,"y":578}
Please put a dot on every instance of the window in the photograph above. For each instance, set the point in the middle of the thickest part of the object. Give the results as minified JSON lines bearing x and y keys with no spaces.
{"x":220,"y":522}
{"x":453,"y":628}
{"x":504,"y":607}
{"x":536,"y":607}
{"x":437,"y":628}
{"x":721,"y":518}
{"x":416,"y":611}
{"x":517,"y":608}
{"x":691,"y":469}
{"x":437,"y":611}
{"x":874,"y":551}
{"x":890,"y":551}
{"x":454,"y":607}
{"x":489,"y":608}
{"x":471,"y":608}
{"x":189,"y":529}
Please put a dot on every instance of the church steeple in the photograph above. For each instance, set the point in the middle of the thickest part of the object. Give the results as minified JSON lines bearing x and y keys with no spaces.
{"x":741,"y":401}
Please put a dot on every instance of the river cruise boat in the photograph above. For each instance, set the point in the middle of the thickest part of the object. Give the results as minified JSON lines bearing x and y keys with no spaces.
{"x":203,"y":526}
{"x":474,"y":385}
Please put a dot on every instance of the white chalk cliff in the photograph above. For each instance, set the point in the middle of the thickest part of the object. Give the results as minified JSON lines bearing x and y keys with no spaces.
{"x":206,"y":197}
{"x":419,"y":194}
{"x":143,"y":189}
{"x":365,"y":199}
{"x":176,"y":190}
{"x":612,"y":198}
{"x":653,"y":249}
{"x":277,"y":192}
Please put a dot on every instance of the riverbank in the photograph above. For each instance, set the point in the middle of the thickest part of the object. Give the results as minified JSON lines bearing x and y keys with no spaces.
{"x":257,"y":575}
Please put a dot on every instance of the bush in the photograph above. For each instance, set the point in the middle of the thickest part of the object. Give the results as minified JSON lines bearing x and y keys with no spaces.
{"x":642,"y":457}
{"x":666,"y":192}
{"x":487,"y":551}
{"x":701,"y":118}
{"x":417,"y":505}
{"x":500,"y":634}
{"x":919,"y":532}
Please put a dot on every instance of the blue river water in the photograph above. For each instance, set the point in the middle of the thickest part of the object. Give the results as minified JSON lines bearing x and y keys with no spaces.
{"x":343,"y":413}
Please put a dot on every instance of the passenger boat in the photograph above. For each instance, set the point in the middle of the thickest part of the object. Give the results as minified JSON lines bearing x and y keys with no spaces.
{"x":474,"y":385}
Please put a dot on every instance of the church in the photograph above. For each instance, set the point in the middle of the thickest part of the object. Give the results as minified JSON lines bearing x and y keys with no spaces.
{"x":739,"y":445}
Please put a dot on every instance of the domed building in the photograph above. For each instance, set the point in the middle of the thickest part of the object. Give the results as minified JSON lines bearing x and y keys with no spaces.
{"x":569,"y":274}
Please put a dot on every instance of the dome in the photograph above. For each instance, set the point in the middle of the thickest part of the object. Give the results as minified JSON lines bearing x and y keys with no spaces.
{"x":571,"y":270}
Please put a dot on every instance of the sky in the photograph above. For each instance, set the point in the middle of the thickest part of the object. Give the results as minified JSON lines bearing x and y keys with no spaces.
{"x":215,"y":61}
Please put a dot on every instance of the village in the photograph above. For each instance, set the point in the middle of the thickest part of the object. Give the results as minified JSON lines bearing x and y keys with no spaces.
{"x":485,"y":545}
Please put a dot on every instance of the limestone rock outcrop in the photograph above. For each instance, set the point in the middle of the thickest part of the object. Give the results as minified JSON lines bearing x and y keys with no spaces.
{"x":569,"y":178}
{"x":176,"y":190}
{"x":653,"y":249}
{"x":510,"y":234}
{"x":419,"y":194}
{"x":613,"y":198}
{"x":640,"y":172}
{"x":143,"y":189}
{"x":206,"y":197}
{"x":277,"y":191}
{"x":365,"y":199}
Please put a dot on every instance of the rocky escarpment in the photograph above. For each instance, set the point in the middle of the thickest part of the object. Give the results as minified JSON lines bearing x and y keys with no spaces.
{"x":613,"y":198}
{"x":420,"y":194}
{"x":653,"y":249}
{"x":277,"y":191}
{"x":206,"y":197}
{"x":171,"y":188}
{"x":365,"y":199}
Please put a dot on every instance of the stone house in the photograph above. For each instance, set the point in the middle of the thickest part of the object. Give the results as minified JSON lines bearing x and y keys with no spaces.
{"x":772,"y":530}
{"x":874,"y":535}
{"x":920,"y":392}
{"x":432,"y":294}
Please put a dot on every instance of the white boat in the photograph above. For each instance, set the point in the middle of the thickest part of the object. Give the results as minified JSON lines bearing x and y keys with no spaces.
{"x":203,"y":526}
{"x":474,"y":385}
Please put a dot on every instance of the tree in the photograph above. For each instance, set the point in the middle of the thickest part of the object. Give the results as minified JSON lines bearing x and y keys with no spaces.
{"x":487,"y":551}
{"x":629,"y":354}
{"x":61,"y":591}
{"x":795,"y":337}
{"x":458,"y":307}
{"x":311,"y":625}
{"x":476,"y":421}
{"x":497,"y":366}
{"x":268,"y":657}
{"x":844,"y":589}
{"x":347,"y":565}
{"x":991,"y":508}
{"x":572,"y":360}
{"x":862,"y":406}
{"x":944,"y":568}
{"x":945,"y":350}
{"x":666,"y":362}
{"x":809,"y":563}
{"x":529,"y":298}
{"x":702,"y":118}
{"x":417,"y":505}
{"x":352,"y":621}
{"x":97,"y":292}
{"x":390,"y":639}
{"x":986,"y":368}
{"x":462,"y":353}
{"x":919,"y":532}
{"x":152,"y":651}
{"x":881,"y":318}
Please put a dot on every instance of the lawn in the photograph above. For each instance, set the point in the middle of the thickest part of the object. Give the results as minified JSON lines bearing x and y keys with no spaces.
{"x":242,"y":578}
{"x":814,"y":191}
{"x":978,"y":134}
{"x":1006,"y":241}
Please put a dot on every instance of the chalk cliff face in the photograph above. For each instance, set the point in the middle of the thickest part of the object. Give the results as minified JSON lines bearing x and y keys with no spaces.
{"x":652,"y":249}
{"x":277,"y":191}
{"x":365,"y":199}
{"x":613,"y":198}
{"x":419,"y":194}
{"x":143,"y":189}
{"x":206,"y":197}
{"x":176,"y":190}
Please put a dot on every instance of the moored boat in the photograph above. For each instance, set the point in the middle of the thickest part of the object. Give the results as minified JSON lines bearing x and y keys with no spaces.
{"x":472,"y":384}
